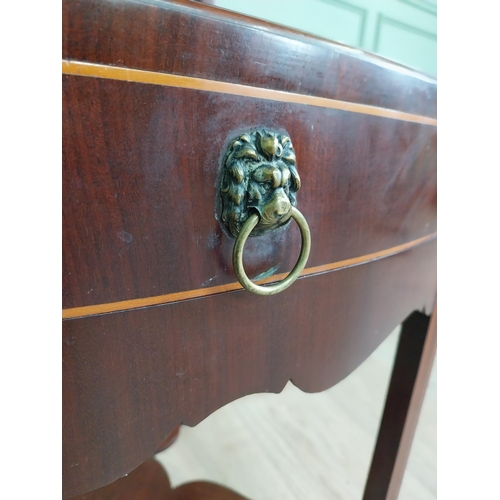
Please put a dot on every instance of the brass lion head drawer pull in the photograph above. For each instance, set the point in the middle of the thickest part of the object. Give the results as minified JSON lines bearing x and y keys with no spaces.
{"x":259,"y":186}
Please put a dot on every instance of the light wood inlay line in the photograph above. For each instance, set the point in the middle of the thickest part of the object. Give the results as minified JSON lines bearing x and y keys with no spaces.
{"x":150,"y":77}
{"x":124,"y":305}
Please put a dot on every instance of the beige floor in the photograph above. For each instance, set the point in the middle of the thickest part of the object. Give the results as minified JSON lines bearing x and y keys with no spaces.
{"x":297,"y":446}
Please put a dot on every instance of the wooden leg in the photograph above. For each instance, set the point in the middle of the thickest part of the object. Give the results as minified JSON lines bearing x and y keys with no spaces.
{"x":409,"y":379}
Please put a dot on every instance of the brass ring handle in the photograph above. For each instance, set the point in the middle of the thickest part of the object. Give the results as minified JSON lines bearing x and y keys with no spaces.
{"x":247,"y":228}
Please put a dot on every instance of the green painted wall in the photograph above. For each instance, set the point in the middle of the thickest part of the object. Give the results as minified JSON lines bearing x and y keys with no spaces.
{"x":400,"y":30}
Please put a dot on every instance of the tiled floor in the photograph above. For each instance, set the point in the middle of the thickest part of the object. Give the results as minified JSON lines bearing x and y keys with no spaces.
{"x":298,"y":446}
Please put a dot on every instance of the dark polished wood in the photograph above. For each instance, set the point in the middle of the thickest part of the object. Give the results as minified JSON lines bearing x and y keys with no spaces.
{"x":150,"y":482}
{"x":409,"y":379}
{"x":203,"y":490}
{"x":188,"y":38}
{"x":130,"y":378}
{"x":141,"y":184}
{"x":141,"y":167}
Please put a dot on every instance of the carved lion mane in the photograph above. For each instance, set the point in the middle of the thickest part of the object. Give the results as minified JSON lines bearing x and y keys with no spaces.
{"x":260,"y":176}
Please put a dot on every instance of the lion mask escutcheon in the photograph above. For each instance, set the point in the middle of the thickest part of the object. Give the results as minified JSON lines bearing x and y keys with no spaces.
{"x":259,"y":176}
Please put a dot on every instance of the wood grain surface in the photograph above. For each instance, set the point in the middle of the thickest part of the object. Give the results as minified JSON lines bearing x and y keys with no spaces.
{"x":185,"y":38}
{"x":296,"y":445}
{"x":150,"y":482}
{"x":141,"y":172}
{"x":130,"y":378}
{"x":125,"y":305}
{"x":79,"y":68}
{"x":409,"y":379}
{"x":141,"y":180}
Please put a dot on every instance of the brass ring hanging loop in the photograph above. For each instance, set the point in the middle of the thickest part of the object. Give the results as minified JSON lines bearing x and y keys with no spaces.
{"x":247,"y":228}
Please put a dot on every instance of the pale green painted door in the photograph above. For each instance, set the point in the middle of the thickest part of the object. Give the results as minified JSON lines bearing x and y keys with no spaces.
{"x":400,"y":30}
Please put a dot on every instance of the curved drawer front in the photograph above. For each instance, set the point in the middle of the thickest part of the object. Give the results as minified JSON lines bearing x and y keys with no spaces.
{"x":142,"y":176}
{"x":153,"y":93}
